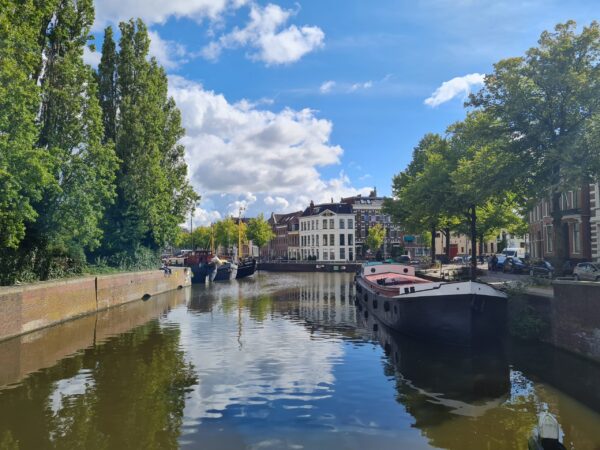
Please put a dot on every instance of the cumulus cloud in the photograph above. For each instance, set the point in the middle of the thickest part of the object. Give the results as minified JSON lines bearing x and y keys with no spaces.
{"x":234,"y":149}
{"x":158,"y":11}
{"x":169,"y":54}
{"x":265,"y":34}
{"x":454,"y":87}
{"x":327,"y":87}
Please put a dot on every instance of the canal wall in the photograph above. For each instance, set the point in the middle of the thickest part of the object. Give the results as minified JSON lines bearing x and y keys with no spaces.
{"x":30,"y":307}
{"x":43,"y":348}
{"x":308,"y":267}
{"x":571,"y":316}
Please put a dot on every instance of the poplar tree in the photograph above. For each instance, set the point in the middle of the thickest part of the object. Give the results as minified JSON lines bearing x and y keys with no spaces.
{"x":71,"y":131}
{"x":153,"y":193}
{"x":23,"y":166}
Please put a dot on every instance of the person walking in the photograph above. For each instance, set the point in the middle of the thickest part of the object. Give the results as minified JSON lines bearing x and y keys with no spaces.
{"x":494,"y":263}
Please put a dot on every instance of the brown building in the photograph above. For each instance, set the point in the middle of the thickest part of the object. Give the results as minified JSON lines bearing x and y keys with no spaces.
{"x":368,"y":212}
{"x":580,"y":226}
{"x":286,"y":244}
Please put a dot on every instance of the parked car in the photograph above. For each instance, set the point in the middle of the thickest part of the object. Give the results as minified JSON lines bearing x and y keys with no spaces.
{"x":459,"y":260}
{"x":587,"y":271}
{"x":443,"y":259}
{"x":513,"y":264}
{"x":541,"y":268}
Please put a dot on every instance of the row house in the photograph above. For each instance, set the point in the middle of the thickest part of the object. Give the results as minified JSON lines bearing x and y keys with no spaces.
{"x":368,"y":211}
{"x":327,"y":232}
{"x":580,"y":225}
{"x":285,"y":244}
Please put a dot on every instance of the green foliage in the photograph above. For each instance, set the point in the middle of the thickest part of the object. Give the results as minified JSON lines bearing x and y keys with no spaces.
{"x":199,"y":238}
{"x":66,"y":155}
{"x":153,"y":193}
{"x":375,"y":238}
{"x":226,"y":233}
{"x":259,"y":231}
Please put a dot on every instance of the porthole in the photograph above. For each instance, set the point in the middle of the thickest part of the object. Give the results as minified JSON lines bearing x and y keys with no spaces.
{"x":405,"y":270}
{"x":372,"y":269}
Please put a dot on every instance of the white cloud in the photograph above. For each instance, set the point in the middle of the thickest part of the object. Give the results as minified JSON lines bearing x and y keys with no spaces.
{"x":234,"y":149}
{"x":327,"y":87}
{"x":158,"y":11}
{"x":169,"y":54}
{"x":454,"y":87}
{"x":277,"y":203}
{"x":270,"y":43}
{"x":356,"y":86}
{"x":90,"y":57}
{"x":205,"y":217}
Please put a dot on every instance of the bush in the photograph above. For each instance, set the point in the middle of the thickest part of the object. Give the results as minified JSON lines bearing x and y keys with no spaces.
{"x":140,"y":258}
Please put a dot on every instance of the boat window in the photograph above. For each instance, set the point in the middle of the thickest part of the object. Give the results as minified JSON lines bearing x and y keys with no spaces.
{"x":374,"y":304}
{"x":386,"y":306}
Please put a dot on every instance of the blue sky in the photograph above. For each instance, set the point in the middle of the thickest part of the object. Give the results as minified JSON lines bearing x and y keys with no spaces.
{"x":286,"y":102}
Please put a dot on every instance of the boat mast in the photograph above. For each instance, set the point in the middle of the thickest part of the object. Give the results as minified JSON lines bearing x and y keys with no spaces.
{"x":212,"y":240}
{"x":240,"y":250}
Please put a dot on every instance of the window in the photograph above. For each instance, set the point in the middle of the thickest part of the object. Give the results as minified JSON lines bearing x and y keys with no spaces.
{"x":325,"y":240}
{"x":549,"y":237}
{"x":350,"y":224}
{"x":342,"y":253}
{"x":325,"y":256}
{"x":317,"y":240}
{"x":342,"y":223}
{"x":576,"y":237}
{"x":317,"y":250}
{"x":350,"y":255}
{"x":331,"y":224}
{"x":324,"y":224}
{"x":332,"y":256}
{"x":342,"y":239}
{"x":331,"y":240}
{"x":312,"y":240}
{"x":350,"y":239}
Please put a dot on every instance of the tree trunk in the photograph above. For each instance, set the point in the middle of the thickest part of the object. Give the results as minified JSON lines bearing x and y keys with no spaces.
{"x":433,"y":230}
{"x":558,"y":236}
{"x":447,"y":233}
{"x":481,"y":244}
{"x":473,"y":243}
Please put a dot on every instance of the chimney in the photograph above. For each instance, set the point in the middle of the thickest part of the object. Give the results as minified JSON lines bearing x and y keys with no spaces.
{"x":312,"y":207}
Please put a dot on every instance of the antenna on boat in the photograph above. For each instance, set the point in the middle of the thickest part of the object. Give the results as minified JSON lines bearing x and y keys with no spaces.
{"x":240,"y":250}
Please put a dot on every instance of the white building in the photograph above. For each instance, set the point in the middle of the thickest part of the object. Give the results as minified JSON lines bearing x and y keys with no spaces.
{"x":327,"y":233}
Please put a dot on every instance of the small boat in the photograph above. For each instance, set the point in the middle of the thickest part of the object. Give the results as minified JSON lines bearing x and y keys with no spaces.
{"x":462,"y":313}
{"x":547,"y":434}
{"x":224,"y":270}
{"x":246,"y":268}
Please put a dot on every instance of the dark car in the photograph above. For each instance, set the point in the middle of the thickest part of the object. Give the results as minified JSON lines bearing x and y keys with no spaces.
{"x":541,"y":268}
{"x":499,"y":264}
{"x":513,"y":264}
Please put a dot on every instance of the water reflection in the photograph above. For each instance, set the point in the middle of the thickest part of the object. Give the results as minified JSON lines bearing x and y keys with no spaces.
{"x":278,"y":361}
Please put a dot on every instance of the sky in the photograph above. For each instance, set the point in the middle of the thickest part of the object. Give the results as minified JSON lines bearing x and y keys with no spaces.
{"x":285,"y":102}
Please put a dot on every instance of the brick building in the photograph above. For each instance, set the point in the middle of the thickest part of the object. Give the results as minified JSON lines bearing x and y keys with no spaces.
{"x":285,"y":245}
{"x":368,"y":212}
{"x":580,"y":225}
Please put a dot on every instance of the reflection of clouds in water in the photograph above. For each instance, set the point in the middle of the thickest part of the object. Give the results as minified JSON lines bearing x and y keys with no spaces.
{"x":69,"y":387}
{"x":280,"y":362}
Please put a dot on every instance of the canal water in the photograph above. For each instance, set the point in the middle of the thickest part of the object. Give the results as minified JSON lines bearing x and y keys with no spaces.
{"x":278,"y":361}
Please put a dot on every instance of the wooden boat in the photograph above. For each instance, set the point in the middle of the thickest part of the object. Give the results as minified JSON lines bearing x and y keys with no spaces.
{"x":246,"y":268}
{"x":462,"y":313}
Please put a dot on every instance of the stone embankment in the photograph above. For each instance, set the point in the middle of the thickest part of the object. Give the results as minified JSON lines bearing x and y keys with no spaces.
{"x":34,"y":306}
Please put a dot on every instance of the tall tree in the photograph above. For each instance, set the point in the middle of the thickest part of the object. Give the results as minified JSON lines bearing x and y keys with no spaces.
{"x":24,"y":167}
{"x":107,"y":86}
{"x":259,"y":231}
{"x":226,"y":233}
{"x":153,"y":192}
{"x":546,"y":101}
{"x":71,"y":131}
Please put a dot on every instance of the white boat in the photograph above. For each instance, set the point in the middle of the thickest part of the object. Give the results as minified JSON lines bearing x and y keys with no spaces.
{"x":461,"y":313}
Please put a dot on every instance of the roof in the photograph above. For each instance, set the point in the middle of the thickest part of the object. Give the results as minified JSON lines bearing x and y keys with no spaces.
{"x":284,"y":219}
{"x":337,"y":208}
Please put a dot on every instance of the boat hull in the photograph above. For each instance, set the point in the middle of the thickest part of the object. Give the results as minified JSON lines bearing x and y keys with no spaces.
{"x":463,"y":313}
{"x":224,"y":272}
{"x":246,"y":269}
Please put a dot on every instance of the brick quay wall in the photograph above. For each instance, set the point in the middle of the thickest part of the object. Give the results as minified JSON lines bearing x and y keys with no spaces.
{"x":30,"y":307}
{"x":572,"y":316}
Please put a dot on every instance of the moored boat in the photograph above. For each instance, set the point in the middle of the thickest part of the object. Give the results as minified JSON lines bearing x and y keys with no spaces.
{"x":462,"y":313}
{"x":246,"y":268}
